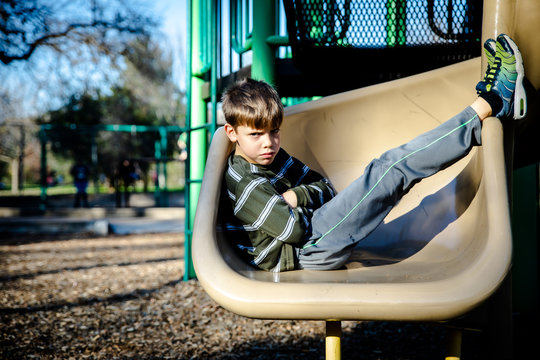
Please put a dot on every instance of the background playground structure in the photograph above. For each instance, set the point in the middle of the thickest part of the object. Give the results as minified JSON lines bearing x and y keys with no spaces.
{"x":160,"y":175}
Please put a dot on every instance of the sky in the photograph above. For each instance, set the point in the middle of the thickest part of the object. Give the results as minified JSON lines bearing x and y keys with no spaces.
{"x":174,"y":13}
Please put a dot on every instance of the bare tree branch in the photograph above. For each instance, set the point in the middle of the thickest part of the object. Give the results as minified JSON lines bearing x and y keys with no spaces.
{"x":26,"y":26}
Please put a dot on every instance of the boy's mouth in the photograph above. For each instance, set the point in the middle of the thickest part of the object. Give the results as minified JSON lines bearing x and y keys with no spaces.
{"x":267,"y":155}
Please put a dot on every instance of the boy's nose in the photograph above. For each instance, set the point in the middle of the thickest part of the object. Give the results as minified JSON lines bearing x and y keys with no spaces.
{"x":267,"y":140}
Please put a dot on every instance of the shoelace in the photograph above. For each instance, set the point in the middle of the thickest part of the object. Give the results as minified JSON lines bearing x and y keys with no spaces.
{"x":490,"y":76}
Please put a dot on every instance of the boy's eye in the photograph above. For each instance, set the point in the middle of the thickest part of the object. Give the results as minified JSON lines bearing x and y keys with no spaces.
{"x":260,"y":133}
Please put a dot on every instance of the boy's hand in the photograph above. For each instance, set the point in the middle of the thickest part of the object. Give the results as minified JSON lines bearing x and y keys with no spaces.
{"x":290,"y":198}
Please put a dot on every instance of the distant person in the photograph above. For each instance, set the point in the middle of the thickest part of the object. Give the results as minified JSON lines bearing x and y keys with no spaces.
{"x":80,"y":173}
{"x":126,"y":175}
{"x":291,"y":214}
{"x":51,"y":178}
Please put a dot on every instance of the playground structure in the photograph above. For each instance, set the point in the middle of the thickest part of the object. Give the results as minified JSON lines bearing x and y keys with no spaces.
{"x":160,"y":152}
{"x":443,"y":254}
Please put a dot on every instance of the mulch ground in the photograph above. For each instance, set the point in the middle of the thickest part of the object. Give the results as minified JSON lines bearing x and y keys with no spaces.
{"x":121,"y":297}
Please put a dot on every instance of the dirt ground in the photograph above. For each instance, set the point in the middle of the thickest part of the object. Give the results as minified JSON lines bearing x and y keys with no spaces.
{"x":121,"y":297}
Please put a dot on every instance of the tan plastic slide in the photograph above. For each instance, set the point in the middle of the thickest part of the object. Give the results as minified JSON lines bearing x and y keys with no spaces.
{"x":442,"y":250}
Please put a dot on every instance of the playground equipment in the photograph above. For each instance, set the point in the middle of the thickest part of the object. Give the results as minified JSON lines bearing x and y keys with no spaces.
{"x":445,"y":250}
{"x":442,"y":251}
{"x":160,"y":151}
{"x":258,"y":43}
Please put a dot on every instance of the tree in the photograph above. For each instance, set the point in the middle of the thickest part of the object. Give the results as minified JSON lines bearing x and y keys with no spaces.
{"x":18,"y":153}
{"x":50,"y":49}
{"x":26,"y":26}
{"x":69,"y":143}
{"x":148,"y":75}
{"x":145,"y":95}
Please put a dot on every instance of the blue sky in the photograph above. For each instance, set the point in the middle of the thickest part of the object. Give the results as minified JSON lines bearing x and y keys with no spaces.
{"x":175,"y":28}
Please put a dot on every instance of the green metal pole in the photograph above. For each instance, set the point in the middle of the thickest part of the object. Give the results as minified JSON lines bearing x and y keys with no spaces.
{"x":197,"y":117}
{"x":187,"y":193}
{"x":163,"y":145}
{"x":157,"y":185}
{"x":396,"y":19}
{"x":263,"y":65}
{"x":213,"y":71}
{"x":43,"y":168}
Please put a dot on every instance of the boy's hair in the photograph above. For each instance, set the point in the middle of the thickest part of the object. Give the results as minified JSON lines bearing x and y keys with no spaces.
{"x":252,"y":103}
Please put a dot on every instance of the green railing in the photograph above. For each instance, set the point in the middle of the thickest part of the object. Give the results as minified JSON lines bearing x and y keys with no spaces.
{"x":213,"y":55}
{"x":202,"y":19}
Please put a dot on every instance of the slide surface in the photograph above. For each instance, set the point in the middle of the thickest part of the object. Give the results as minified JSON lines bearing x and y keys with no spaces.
{"x":441,"y":251}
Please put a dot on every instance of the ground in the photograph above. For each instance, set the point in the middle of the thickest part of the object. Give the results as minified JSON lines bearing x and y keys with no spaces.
{"x":121,"y":297}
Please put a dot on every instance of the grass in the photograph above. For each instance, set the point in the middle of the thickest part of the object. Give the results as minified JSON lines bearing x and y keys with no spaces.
{"x":69,"y":189}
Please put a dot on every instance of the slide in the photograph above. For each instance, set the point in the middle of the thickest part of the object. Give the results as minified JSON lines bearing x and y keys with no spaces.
{"x":442,"y":251}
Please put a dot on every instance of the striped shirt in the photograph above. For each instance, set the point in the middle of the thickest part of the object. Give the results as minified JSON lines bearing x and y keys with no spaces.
{"x":273,"y":228}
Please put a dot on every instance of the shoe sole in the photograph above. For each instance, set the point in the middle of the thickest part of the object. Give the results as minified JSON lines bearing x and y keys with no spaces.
{"x":520,"y":97}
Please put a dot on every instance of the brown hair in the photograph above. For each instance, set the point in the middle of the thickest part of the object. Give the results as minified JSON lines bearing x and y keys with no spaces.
{"x":252,"y":103}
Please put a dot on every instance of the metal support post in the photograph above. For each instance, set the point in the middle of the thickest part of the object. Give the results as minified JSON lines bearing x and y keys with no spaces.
{"x":43,"y":168}
{"x":157,"y":184}
{"x":263,"y":66}
{"x":164,"y":200}
{"x":196,"y":117}
{"x":20,"y":168}
{"x":333,"y":340}
{"x":453,"y":341}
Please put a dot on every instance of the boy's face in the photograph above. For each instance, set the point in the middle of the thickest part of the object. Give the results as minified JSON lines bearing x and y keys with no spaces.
{"x":257,"y":146}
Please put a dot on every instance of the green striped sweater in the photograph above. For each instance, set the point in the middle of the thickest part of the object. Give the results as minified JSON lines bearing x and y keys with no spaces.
{"x":274,"y":230}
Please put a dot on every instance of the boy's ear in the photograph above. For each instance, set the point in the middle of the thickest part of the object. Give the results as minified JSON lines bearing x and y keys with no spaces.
{"x":231,"y":133}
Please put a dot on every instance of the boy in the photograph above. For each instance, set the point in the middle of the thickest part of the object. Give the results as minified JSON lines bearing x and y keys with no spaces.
{"x":291,"y":215}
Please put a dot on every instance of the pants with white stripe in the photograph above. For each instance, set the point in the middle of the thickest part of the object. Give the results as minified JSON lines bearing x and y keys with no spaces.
{"x":357,"y":210}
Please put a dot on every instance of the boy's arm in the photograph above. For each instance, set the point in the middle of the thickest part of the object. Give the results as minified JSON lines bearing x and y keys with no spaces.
{"x":314,"y":194}
{"x":309,"y":188}
{"x":290,"y":198}
{"x":259,"y":207}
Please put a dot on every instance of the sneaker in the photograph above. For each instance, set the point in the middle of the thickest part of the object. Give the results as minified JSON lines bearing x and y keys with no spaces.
{"x":504,"y":77}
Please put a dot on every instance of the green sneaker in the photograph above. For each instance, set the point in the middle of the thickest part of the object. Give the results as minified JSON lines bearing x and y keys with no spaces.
{"x":504,"y":77}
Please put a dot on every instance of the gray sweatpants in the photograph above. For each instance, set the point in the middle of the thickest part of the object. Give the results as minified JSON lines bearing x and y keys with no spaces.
{"x":357,"y":210}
